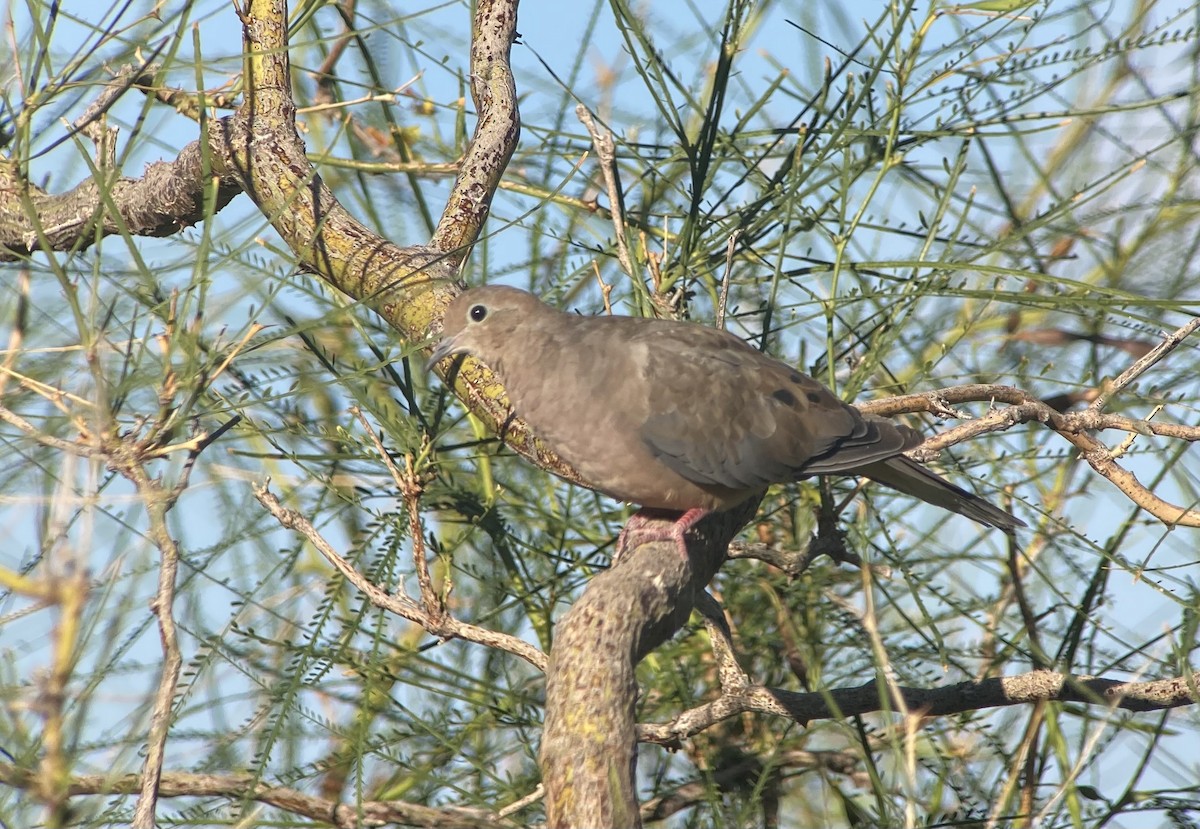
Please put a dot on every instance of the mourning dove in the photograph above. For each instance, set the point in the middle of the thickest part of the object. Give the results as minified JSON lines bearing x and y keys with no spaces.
{"x":677,"y":416}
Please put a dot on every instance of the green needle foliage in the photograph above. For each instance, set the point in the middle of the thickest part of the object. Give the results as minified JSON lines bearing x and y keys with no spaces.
{"x":895,"y":197}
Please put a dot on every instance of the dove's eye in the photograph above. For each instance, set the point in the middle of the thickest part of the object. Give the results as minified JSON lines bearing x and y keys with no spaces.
{"x":477,"y":313}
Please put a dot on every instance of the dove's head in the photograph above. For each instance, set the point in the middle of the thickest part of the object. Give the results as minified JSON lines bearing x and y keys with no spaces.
{"x":487,"y":322}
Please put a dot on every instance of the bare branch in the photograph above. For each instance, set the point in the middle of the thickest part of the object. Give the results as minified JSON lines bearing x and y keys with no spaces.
{"x":625,"y":613}
{"x":1074,"y":427}
{"x":411,"y":489}
{"x":1037,"y":686}
{"x":795,"y":562}
{"x":167,"y":198}
{"x":447,"y":627}
{"x":493,"y":29}
{"x":158,"y":503}
{"x":534,"y":796}
{"x":606,"y":155}
{"x":81,"y":448}
{"x":1140,"y":367}
{"x":293,"y":801}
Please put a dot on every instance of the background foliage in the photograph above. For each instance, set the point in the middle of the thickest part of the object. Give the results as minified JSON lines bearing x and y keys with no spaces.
{"x":921,"y":196}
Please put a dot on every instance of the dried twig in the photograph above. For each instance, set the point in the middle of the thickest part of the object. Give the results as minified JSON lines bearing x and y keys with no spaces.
{"x":158,"y":502}
{"x":409,"y":484}
{"x":1140,"y":367}
{"x":1074,"y":427}
{"x":447,"y":628}
{"x":517,"y":805}
{"x":606,"y":152}
{"x":323,"y":74}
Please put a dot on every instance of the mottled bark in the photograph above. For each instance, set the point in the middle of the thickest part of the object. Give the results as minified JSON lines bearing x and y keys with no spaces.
{"x":168,"y":198}
{"x":589,"y":741}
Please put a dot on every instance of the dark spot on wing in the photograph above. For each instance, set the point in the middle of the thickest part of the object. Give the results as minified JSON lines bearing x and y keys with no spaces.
{"x":784,"y":396}
{"x":813,"y":397}
{"x":796,"y":378}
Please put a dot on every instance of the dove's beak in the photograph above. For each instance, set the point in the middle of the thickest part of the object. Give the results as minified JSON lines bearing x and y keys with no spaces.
{"x":445,"y":348}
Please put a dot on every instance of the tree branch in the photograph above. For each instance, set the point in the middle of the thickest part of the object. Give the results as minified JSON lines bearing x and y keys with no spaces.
{"x":1074,"y":427}
{"x":248,"y":786}
{"x":493,"y":29}
{"x":441,"y":625}
{"x":169,"y":197}
{"x":591,"y":689}
{"x":1037,"y":686}
{"x":158,"y":502}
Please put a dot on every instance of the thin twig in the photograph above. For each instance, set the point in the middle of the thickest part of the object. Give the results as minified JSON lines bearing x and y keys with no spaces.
{"x":606,"y":152}
{"x":605,"y":289}
{"x":199,"y":443}
{"x":91,"y":124}
{"x":1074,"y":427}
{"x":1026,"y":752}
{"x":323,"y":74}
{"x":517,"y":805}
{"x":233,"y":352}
{"x":400,"y":605}
{"x":1028,"y":617}
{"x":792,"y":562}
{"x":51,"y":393}
{"x":409,"y":484}
{"x":83,"y":450}
{"x":158,"y":503}
{"x":410,"y":491}
{"x":727,"y":277}
{"x":1140,"y":367}
{"x":246,"y":786}
{"x":121,"y":82}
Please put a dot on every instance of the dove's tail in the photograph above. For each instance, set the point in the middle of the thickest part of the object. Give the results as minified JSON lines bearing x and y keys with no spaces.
{"x":906,"y":475}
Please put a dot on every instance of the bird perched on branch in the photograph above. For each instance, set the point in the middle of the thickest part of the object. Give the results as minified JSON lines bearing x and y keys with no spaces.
{"x":677,"y":416}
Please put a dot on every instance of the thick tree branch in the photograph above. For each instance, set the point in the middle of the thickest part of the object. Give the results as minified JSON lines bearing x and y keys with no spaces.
{"x":169,"y":197}
{"x":624,"y":614}
{"x":493,"y":29}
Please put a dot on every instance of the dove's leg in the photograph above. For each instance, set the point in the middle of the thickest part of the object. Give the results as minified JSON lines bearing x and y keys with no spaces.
{"x":646,"y":525}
